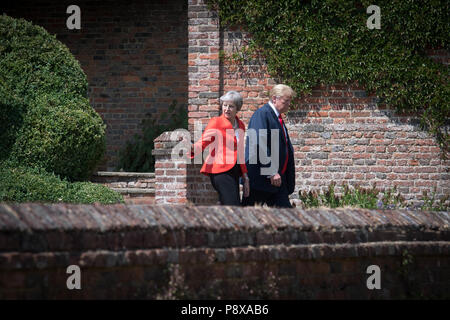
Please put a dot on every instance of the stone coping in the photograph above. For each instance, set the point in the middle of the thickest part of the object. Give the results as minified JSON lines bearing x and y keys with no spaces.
{"x":134,"y":190}
{"x":124,"y":174}
{"x":38,"y":227}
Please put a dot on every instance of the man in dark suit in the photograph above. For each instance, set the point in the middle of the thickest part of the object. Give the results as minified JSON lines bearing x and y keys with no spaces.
{"x":269,"y":154}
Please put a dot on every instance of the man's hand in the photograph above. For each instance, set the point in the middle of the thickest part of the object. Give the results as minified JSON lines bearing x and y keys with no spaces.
{"x":275,"y":180}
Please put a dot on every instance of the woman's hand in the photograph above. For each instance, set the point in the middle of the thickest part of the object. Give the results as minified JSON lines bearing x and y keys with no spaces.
{"x":246,"y":187}
{"x":276,"y":180}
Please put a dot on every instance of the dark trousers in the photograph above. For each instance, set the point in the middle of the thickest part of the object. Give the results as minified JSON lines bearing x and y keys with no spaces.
{"x":278,"y":199}
{"x":227,"y":186}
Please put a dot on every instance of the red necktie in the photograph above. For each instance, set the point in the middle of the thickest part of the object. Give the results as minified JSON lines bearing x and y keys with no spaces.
{"x":285,"y":139}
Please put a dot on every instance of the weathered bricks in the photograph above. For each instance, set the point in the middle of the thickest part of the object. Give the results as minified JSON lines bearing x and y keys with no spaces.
{"x":131,"y":251}
{"x":335,"y":122}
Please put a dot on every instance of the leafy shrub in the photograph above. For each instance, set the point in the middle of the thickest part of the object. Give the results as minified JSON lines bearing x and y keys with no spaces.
{"x":24,"y":184}
{"x":366,"y":198}
{"x":307,"y":43}
{"x":11,"y":120}
{"x":87,"y":192}
{"x":44,"y":104}
{"x":137,"y":154}
{"x":432,"y":204}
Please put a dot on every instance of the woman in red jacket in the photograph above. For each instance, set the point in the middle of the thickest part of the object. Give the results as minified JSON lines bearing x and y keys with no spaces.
{"x":225,"y":161}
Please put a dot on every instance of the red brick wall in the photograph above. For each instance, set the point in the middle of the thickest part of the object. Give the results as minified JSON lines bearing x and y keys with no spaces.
{"x":343,"y":135}
{"x":134,"y":54}
{"x":339,"y":132}
{"x":135,"y":251}
{"x":204,"y":89}
{"x":135,"y":187}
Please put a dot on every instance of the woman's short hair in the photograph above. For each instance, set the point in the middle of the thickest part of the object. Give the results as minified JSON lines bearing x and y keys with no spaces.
{"x":233,"y":97}
{"x":282,"y":90}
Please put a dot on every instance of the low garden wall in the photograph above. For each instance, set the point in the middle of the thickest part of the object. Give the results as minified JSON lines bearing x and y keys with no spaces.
{"x":182,"y":251}
{"x":135,"y":187}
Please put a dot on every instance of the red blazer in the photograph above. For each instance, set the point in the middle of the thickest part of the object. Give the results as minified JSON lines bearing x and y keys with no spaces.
{"x":224,"y":150}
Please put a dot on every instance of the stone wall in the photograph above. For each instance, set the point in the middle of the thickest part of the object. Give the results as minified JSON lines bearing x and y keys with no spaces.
{"x":148,"y":252}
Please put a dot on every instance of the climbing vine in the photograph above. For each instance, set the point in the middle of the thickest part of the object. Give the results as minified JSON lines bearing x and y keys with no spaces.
{"x":307,"y":43}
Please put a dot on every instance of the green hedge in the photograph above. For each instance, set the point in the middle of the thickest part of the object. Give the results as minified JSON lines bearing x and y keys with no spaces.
{"x":24,"y":184}
{"x":307,"y":43}
{"x":43,"y":104}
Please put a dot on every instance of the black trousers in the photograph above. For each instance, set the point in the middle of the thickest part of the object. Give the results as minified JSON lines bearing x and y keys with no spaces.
{"x":227,"y":186}
{"x":278,"y":199}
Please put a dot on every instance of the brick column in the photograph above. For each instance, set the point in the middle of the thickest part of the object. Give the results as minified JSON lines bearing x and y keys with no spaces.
{"x":170,"y":172}
{"x":177,"y":179}
{"x":203,"y":62}
{"x":204,"y":87}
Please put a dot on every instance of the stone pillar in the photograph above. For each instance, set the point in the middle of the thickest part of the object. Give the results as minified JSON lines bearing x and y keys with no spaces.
{"x":177,"y":179}
{"x":170,"y":172}
{"x":204,"y":88}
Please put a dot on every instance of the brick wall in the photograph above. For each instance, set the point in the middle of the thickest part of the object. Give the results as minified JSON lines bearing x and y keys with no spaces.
{"x":170,"y":175}
{"x":134,"y":251}
{"x":339,"y":132}
{"x":177,"y":179}
{"x":134,"y":54}
{"x":203,"y":61}
{"x":135,"y":187}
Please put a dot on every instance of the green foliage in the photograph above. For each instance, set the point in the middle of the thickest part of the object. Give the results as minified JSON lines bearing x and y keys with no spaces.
{"x":368,"y":198}
{"x":364,"y":198}
{"x":88,"y":192}
{"x":43,"y":104}
{"x":11,"y":120}
{"x":432,"y":204}
{"x":357,"y":197}
{"x":25,"y":184}
{"x":137,"y":154}
{"x":310,"y":199}
{"x":392,"y":199}
{"x":307,"y":43}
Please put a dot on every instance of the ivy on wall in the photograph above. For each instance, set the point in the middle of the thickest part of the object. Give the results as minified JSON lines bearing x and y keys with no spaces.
{"x":307,"y":43}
